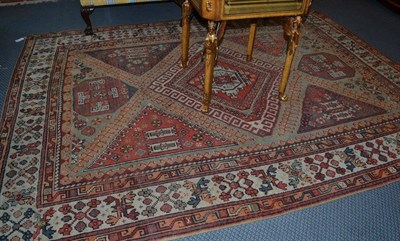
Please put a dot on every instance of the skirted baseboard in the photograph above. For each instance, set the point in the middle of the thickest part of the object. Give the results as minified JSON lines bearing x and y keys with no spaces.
{"x":16,"y":2}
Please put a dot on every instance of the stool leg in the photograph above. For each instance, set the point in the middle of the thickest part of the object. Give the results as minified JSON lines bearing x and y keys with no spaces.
{"x":186,"y":9}
{"x":210,"y":47}
{"x":292,"y":32}
{"x":250,"y":44}
{"x":85,"y":13}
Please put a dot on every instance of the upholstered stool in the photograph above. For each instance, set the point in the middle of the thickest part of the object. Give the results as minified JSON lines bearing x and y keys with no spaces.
{"x":222,"y":10}
{"x":89,"y":5}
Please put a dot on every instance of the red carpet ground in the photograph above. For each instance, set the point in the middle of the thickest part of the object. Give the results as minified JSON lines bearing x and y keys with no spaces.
{"x":102,"y":138}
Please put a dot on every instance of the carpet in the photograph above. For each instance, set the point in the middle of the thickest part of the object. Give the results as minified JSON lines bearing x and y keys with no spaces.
{"x":102,"y":137}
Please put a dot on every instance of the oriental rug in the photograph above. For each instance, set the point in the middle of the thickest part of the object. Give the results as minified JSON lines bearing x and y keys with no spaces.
{"x":102,"y":138}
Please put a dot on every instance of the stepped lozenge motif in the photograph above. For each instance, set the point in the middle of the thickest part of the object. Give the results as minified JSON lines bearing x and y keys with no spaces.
{"x":102,"y":137}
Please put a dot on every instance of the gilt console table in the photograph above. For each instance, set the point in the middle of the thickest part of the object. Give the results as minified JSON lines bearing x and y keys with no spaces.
{"x":217,"y":12}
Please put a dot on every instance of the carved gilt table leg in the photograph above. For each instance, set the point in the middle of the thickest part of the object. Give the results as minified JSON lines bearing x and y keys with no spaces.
{"x":220,"y":31}
{"x":292,"y":32}
{"x":210,"y":47}
{"x":186,"y":10}
{"x":250,"y":43}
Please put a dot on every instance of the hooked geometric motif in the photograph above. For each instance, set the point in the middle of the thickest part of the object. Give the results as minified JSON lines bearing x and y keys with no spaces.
{"x":101,"y":96}
{"x":154,"y":133}
{"x":136,"y":60}
{"x":323,"y":108}
{"x":325,"y":66}
{"x":94,"y":147}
